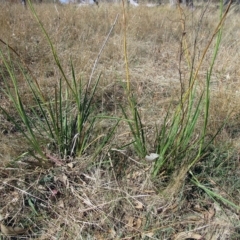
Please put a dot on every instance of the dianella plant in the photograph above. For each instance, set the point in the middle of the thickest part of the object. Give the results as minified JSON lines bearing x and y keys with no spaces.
{"x":60,"y":122}
{"x":181,"y":140}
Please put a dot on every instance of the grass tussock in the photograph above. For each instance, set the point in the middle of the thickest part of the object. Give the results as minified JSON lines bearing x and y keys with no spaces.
{"x":76,"y":126}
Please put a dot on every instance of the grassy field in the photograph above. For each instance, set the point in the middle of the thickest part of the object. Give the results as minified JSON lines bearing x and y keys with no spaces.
{"x":89,"y":93}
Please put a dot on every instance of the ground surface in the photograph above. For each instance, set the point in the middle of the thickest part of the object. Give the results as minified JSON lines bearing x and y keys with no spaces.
{"x":114,"y":196}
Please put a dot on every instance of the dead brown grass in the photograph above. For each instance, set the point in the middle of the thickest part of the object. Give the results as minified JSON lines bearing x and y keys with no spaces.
{"x":118,"y":201}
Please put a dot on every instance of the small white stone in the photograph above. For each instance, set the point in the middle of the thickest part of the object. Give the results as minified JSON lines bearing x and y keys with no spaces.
{"x":151,"y":157}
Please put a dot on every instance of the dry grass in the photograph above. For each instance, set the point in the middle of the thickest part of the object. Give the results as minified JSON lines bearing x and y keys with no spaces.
{"x":116,"y":198}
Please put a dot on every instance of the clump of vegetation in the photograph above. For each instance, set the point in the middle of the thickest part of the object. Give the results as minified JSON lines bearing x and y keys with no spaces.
{"x":98,"y":142}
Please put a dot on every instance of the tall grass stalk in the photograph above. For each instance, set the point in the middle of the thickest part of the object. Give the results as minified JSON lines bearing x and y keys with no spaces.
{"x":132,"y":114}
